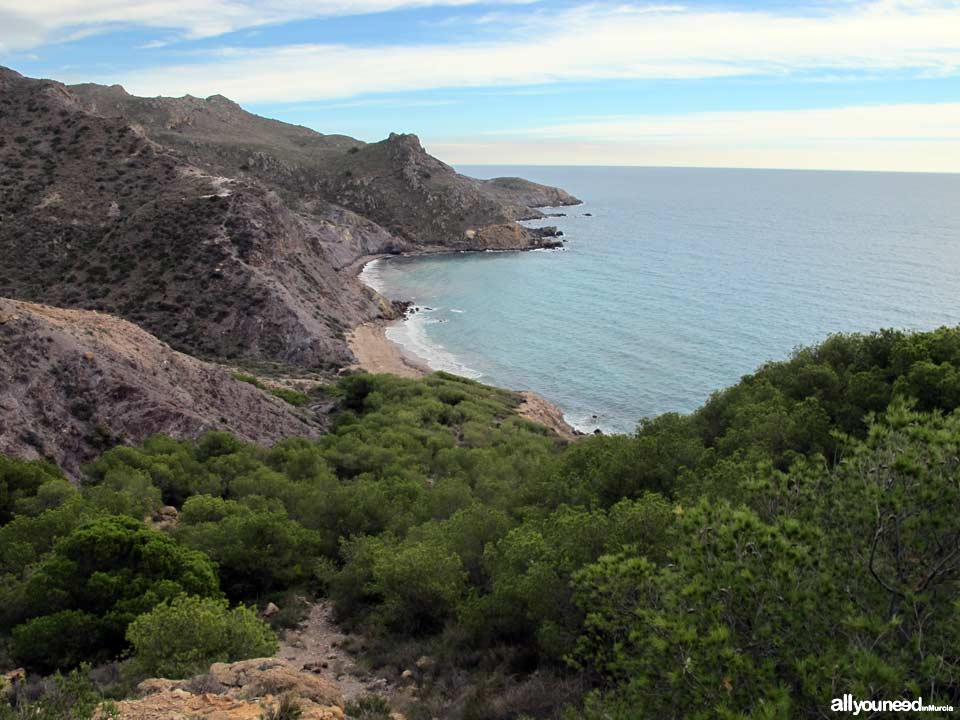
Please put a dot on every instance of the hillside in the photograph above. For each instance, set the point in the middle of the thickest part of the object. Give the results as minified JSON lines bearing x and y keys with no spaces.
{"x":796,"y":534}
{"x":76,"y":382}
{"x":225,"y":234}
{"x":393,"y":182}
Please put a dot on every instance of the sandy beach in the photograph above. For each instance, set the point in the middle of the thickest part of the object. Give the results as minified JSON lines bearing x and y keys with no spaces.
{"x":376,"y":353}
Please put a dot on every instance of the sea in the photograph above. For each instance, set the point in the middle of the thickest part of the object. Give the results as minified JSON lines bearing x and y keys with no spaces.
{"x":675,"y":282}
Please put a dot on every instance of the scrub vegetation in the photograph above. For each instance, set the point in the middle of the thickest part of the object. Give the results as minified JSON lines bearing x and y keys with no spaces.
{"x":794,"y":539}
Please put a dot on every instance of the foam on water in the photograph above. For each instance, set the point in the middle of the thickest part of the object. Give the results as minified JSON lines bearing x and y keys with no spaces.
{"x":370,"y":276}
{"x":411,"y":335}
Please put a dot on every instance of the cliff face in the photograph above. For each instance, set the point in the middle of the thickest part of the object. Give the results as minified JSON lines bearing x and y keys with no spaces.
{"x":73,"y":383}
{"x":97,"y":215}
{"x":223,"y":233}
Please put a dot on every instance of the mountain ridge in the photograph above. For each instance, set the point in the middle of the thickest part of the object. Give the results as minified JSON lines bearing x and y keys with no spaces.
{"x":227,"y":235}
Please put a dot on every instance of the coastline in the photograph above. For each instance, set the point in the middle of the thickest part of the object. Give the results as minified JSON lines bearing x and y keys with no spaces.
{"x":376,"y":353}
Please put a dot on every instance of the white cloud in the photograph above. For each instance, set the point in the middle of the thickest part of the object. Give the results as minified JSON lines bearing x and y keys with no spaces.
{"x":28,"y":24}
{"x":908,"y":121}
{"x":918,"y":137}
{"x":588,"y":43}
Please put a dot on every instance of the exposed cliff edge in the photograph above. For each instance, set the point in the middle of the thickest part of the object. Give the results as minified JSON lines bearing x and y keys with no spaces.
{"x":76,"y":382}
{"x":225,"y":234}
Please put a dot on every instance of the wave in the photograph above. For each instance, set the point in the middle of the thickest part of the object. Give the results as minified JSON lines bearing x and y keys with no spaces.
{"x":411,"y":335}
{"x":371,"y":276}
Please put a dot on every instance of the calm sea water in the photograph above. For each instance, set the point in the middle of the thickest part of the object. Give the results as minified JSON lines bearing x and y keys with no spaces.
{"x":682,"y":281}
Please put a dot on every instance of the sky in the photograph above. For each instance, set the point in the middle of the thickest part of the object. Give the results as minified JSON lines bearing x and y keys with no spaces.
{"x":815,"y":84}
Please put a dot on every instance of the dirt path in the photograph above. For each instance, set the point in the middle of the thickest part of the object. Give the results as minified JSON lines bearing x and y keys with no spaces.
{"x":316,"y":645}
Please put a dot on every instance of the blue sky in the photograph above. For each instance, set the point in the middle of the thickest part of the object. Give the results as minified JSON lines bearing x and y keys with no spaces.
{"x":837,"y":84}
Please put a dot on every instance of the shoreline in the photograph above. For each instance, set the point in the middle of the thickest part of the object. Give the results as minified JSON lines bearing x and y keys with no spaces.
{"x":376,"y":353}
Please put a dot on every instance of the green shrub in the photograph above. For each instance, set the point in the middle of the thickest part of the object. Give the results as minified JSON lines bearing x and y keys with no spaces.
{"x":290,"y":396}
{"x":65,"y":697}
{"x":81,"y":598}
{"x":20,"y":480}
{"x":183,"y":637}
{"x":249,"y":379}
{"x":368,"y":707}
{"x":258,"y":550}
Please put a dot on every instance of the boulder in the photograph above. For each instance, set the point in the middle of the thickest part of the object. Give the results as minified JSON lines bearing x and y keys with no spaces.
{"x":242,"y":690}
{"x":270,"y":610}
{"x":262,"y":676}
{"x":11,"y":681}
{"x":181,"y":704}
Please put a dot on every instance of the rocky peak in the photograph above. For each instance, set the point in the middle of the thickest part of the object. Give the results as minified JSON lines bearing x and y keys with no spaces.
{"x":407,"y":140}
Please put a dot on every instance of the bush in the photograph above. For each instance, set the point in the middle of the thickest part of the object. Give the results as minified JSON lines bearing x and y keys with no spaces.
{"x":289,"y":396}
{"x":64,"y":697}
{"x":20,"y":480}
{"x":258,"y":550}
{"x":79,"y":601}
{"x":183,"y":637}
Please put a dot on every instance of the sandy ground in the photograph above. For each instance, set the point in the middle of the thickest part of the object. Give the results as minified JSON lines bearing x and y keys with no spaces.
{"x":378,"y":354}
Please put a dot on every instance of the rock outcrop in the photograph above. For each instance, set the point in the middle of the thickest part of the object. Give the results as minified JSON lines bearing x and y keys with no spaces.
{"x":243,"y":690}
{"x":73,"y":383}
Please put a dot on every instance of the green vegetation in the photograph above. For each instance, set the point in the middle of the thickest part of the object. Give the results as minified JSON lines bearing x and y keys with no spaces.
{"x":66,"y":697}
{"x":795,"y":538}
{"x":76,"y":604}
{"x":184,"y":637}
{"x":286,"y":394}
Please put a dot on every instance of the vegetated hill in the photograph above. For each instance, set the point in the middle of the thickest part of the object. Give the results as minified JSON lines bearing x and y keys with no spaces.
{"x":222,"y":233}
{"x":75,"y":383}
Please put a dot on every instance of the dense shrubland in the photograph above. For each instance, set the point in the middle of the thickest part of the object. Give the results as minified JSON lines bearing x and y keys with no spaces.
{"x":796,"y":538}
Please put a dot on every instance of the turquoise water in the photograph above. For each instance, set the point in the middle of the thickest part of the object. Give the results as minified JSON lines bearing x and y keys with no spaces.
{"x":682,"y":281}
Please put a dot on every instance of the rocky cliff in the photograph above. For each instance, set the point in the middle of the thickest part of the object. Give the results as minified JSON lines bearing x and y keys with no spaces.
{"x":225,"y":234}
{"x":73,"y":383}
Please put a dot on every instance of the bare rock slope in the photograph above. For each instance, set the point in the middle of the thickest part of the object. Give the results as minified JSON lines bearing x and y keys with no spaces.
{"x":394,"y":182}
{"x":223,"y":233}
{"x":73,"y":383}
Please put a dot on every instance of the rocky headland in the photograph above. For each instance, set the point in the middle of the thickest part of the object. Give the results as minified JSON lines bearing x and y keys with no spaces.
{"x":151,"y":241}
{"x":225,"y":234}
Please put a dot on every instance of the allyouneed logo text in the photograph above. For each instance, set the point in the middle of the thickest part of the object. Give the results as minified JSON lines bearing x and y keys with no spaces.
{"x":848,"y":704}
